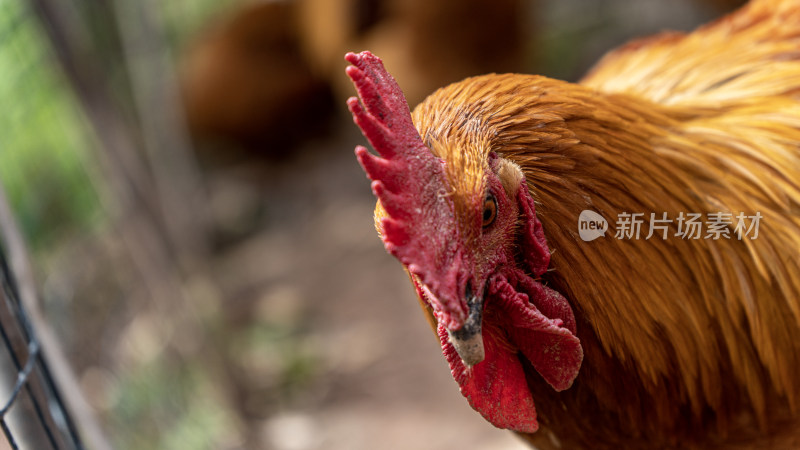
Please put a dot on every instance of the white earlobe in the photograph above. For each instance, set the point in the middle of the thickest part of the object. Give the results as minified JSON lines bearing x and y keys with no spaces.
{"x":510,"y":175}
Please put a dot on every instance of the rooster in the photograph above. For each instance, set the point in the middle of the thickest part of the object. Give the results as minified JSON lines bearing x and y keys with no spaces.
{"x":622,"y":341}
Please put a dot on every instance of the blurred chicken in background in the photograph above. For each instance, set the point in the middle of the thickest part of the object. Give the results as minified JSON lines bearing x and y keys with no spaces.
{"x":261,"y":77}
{"x":246,"y":82}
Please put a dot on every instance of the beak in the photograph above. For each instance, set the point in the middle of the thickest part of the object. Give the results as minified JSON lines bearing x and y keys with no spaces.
{"x":468,"y":340}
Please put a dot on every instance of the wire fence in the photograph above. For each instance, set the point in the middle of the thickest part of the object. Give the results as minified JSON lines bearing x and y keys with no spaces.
{"x":33,"y":415}
{"x":91,"y":79}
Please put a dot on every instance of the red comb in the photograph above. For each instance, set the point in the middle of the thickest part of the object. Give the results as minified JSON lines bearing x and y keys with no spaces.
{"x":386,"y":122}
{"x":407,"y":178}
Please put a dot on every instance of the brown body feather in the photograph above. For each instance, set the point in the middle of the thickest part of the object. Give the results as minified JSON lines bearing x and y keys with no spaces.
{"x":688,"y":343}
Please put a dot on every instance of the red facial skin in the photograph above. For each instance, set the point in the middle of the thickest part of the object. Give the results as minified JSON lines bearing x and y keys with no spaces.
{"x":522,"y":318}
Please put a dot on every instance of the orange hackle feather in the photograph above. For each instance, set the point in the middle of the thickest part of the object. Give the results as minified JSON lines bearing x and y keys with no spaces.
{"x":688,"y":342}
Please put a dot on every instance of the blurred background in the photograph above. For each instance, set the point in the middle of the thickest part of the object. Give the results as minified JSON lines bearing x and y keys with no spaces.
{"x":201,"y":235}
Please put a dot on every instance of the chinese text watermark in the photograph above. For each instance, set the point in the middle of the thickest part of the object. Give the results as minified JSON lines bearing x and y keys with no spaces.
{"x":633,"y":226}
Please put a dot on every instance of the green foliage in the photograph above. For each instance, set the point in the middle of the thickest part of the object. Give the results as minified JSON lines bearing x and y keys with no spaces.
{"x":170,"y":406}
{"x":278,"y":355}
{"x":43,"y":143}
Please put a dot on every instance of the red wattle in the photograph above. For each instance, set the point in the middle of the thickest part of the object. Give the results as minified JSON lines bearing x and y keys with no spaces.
{"x":541,"y":330}
{"x":495,"y":387}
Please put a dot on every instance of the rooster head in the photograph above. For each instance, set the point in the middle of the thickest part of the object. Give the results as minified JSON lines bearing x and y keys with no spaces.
{"x":461,"y":220}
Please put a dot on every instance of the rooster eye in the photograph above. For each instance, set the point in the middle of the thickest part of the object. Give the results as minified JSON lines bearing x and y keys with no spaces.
{"x":489,"y":210}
